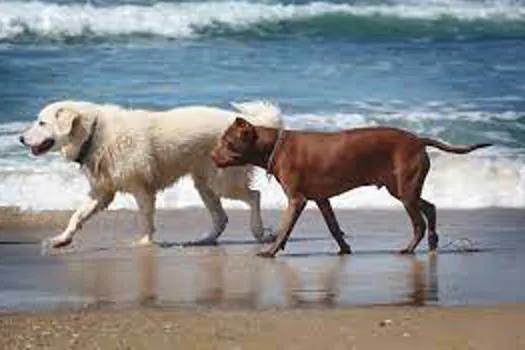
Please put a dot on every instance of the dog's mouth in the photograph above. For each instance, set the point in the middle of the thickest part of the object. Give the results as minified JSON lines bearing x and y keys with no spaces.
{"x":224,"y":163}
{"x":219,"y":161}
{"x":43,"y":147}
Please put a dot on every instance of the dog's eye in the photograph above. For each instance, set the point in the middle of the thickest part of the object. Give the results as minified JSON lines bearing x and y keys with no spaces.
{"x":41,"y":123}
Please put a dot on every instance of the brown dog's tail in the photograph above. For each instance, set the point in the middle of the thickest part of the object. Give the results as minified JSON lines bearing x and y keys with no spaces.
{"x":453,"y":148}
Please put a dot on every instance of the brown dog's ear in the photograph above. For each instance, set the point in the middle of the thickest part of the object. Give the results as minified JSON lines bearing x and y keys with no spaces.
{"x":241,"y":122}
{"x":247,"y":130}
{"x":67,"y":119}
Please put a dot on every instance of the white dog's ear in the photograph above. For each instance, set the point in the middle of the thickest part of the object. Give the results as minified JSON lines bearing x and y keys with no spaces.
{"x":67,"y":118}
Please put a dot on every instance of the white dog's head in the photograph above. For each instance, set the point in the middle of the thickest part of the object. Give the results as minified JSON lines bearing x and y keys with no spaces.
{"x":64,"y":125}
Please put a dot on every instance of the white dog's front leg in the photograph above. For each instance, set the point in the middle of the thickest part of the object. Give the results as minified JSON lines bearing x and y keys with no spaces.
{"x":92,"y":205}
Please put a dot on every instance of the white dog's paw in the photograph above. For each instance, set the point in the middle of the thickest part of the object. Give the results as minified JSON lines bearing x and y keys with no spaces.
{"x":141,"y":242}
{"x":267,"y":236}
{"x":206,"y":241}
{"x":58,"y":241}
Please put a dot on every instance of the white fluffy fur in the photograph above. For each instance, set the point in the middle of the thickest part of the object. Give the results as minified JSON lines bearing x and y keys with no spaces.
{"x":142,"y":152}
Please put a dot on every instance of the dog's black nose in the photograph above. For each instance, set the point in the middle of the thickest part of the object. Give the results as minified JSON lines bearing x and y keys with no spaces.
{"x":21,"y":138}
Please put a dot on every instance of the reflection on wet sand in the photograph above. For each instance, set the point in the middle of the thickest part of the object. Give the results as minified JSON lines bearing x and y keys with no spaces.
{"x":320,"y":289}
{"x":106,"y":281}
{"x":102,"y":269}
{"x":424,"y":281}
{"x":147,"y":277}
{"x":217,"y":278}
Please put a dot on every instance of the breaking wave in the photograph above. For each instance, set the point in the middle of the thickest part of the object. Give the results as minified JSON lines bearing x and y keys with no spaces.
{"x":38,"y":21}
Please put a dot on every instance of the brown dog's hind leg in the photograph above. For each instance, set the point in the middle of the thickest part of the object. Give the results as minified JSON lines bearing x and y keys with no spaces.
{"x":333,"y":226}
{"x":418,"y":225}
{"x":429,"y":210}
{"x":411,"y":204}
{"x":293,"y":211}
{"x":410,"y":181}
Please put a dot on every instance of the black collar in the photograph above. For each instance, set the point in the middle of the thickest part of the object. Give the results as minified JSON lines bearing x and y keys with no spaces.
{"x":280,"y":136}
{"x":86,"y":146}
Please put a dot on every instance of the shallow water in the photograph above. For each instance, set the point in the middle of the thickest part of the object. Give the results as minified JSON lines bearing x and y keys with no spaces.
{"x":481,"y":262}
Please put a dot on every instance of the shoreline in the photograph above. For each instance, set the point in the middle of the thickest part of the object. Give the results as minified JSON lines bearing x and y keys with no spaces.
{"x":14,"y":217}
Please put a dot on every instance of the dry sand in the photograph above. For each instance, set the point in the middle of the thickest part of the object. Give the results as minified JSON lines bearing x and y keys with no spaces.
{"x":492,"y":327}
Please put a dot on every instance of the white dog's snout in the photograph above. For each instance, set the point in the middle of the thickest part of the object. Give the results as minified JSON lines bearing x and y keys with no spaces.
{"x":37,"y":138}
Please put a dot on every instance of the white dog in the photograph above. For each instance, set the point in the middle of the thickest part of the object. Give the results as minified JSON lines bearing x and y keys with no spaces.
{"x":142,"y":152}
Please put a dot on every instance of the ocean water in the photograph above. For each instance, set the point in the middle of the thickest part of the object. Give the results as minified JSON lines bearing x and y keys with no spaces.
{"x":450,"y":69}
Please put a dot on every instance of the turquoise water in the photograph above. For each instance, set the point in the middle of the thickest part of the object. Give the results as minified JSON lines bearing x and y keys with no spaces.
{"x":447,"y":68}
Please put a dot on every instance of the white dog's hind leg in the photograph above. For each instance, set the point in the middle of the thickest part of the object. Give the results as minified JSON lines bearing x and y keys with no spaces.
{"x":91,"y":206}
{"x":253,"y":199}
{"x":146,"y":203}
{"x":213,"y":203}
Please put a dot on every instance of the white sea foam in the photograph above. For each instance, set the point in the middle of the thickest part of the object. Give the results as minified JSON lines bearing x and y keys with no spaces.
{"x":374,"y":115}
{"x":481,"y":179}
{"x":186,"y":20}
{"x":471,"y":181}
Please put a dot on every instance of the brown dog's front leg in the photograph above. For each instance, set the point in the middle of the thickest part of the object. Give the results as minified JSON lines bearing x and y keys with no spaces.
{"x":293,"y":211}
{"x":333,"y":226}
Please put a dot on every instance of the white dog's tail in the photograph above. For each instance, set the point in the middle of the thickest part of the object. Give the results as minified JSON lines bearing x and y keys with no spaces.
{"x":261,"y":113}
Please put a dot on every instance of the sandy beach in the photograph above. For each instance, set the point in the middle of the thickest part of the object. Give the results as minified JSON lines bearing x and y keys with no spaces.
{"x":493,"y":327}
{"x":100,"y":293}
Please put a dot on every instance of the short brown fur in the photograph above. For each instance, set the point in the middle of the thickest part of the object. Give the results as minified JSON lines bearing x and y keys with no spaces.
{"x":318,"y":165}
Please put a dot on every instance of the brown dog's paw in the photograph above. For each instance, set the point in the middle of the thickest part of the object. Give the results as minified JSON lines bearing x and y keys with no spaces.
{"x":266,"y":254}
{"x":345,"y":251}
{"x":406,"y":251}
{"x":433,"y":241}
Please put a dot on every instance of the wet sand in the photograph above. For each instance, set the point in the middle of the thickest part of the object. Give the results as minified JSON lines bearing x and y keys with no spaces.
{"x":100,"y":292}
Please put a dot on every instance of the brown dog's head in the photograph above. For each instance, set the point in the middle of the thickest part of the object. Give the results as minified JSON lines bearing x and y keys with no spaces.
{"x":235,"y":145}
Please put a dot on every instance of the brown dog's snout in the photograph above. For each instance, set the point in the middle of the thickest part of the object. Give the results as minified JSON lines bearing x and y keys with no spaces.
{"x":217,"y":158}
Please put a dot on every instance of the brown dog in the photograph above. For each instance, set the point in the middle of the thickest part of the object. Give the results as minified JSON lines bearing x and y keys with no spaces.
{"x":319,"y":165}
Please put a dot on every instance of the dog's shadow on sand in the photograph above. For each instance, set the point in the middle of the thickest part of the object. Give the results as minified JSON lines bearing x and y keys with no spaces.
{"x":390,"y":252}
{"x":229,"y":242}
{"x":30,"y":242}
{"x":250,"y":242}
{"x":446,"y":250}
